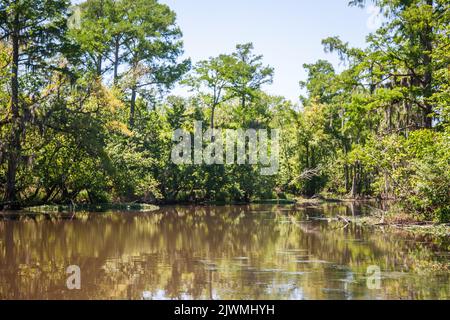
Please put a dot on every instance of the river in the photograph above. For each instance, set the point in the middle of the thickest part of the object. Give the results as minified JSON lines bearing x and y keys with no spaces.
{"x":230,"y":252}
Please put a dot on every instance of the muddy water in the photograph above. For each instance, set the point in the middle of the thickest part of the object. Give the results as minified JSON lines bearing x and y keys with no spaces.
{"x":231,"y":252}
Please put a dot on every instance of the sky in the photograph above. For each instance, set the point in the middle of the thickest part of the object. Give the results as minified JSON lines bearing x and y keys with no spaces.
{"x":288,"y":33}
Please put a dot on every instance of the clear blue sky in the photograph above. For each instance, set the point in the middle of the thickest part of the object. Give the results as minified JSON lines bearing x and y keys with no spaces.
{"x":287,"y":32}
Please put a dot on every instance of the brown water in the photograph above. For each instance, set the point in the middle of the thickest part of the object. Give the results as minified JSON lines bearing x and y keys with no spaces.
{"x":232,"y":252}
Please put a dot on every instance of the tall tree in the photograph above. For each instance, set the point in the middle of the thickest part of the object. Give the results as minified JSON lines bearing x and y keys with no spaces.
{"x":249,"y":74}
{"x":228,"y":76}
{"x":100,"y":32}
{"x":213,"y":75}
{"x":35,"y":31}
{"x":152,"y":47}
{"x":93,"y":33}
{"x":406,"y":44}
{"x":137,"y":42}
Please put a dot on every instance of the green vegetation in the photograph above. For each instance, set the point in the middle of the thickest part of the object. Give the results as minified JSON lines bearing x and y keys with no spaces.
{"x":85,"y":115}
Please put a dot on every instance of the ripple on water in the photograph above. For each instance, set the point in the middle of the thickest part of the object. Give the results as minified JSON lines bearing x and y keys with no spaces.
{"x":270,"y":270}
{"x":291,"y":252}
{"x":241,"y":258}
{"x":296,"y":273}
{"x":333,"y":290}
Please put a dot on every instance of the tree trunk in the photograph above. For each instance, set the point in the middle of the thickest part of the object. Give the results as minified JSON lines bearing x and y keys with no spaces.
{"x":389,"y":117}
{"x":132,"y":106}
{"x":116,"y":61}
{"x":99,"y":66}
{"x":387,"y":186}
{"x":213,"y":110}
{"x":428,"y":119}
{"x":355,"y":180}
{"x":346,"y":177}
{"x":307,"y":155}
{"x":360,"y":180}
{"x":407,"y":120}
{"x":16,"y":127}
{"x":427,"y":47}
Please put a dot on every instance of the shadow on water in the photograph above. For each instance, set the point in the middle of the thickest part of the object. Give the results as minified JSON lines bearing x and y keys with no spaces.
{"x":229,"y":252}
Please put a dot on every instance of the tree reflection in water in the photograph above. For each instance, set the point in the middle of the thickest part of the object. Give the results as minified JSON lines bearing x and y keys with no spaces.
{"x":230,"y":252}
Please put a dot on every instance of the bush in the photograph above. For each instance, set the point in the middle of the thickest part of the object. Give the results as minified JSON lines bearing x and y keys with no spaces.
{"x":417,"y":171}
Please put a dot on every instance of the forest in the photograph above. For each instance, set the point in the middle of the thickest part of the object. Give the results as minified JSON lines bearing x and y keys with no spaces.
{"x":87,"y":114}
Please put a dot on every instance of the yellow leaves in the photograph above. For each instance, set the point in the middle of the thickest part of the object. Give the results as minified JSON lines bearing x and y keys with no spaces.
{"x":132,"y":77}
{"x":87,"y":96}
{"x":119,"y":127}
{"x":315,"y":121}
{"x":102,"y":99}
{"x":5,"y":59}
{"x":108,"y":104}
{"x":314,"y":112}
{"x":57,"y":82}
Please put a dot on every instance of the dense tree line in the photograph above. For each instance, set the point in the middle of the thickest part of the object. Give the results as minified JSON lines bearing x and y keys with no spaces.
{"x":86,"y":117}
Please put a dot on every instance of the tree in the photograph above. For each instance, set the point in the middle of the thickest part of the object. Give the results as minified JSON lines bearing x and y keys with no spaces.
{"x":213,"y":75}
{"x":407,"y":44}
{"x":152,"y":46}
{"x":249,"y":74}
{"x":320,"y":79}
{"x":35,"y":31}
{"x":94,"y":33}
{"x":240,"y":74}
{"x":137,"y":41}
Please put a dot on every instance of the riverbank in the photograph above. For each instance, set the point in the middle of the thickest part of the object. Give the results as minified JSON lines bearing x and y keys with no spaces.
{"x":53,"y":208}
{"x":93,"y":207}
{"x":404,"y":223}
{"x":392,"y":218}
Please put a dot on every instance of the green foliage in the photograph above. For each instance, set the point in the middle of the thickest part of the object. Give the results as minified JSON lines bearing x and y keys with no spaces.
{"x":387,"y":111}
{"x":86,"y":118}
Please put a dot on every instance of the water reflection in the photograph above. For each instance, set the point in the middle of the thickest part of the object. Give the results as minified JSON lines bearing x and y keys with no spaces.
{"x":232,"y":252}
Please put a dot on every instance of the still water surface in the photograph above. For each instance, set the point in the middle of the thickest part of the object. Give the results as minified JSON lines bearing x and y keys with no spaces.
{"x":231,"y":252}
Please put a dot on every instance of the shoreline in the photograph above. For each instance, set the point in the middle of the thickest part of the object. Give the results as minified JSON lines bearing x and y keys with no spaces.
{"x":428,"y":228}
{"x":378,"y":218}
{"x":390,"y":218}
